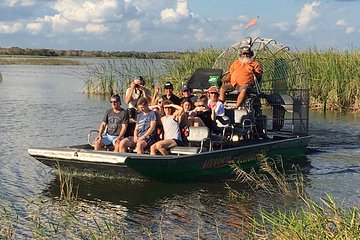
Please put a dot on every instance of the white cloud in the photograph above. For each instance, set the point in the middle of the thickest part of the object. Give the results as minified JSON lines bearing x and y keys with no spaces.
{"x":86,"y":11}
{"x":135,"y":28}
{"x":174,"y":15}
{"x":12,"y":3}
{"x":34,"y":27}
{"x":306,"y":17}
{"x":283,"y":26}
{"x":199,"y":35}
{"x":350,"y":30}
{"x":341,"y":22}
{"x":10,"y":28}
{"x":95,"y":28}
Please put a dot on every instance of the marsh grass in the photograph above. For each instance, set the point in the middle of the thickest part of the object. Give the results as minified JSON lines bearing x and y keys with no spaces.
{"x":272,"y":179}
{"x":67,"y":189}
{"x":179,"y":72}
{"x":58,"y":219}
{"x":335,"y":78}
{"x":326,"y":219}
{"x":334,"y":75}
{"x":114,"y":75}
{"x":8,"y":219}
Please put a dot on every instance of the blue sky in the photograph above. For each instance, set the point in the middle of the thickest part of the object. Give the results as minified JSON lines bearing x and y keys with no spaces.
{"x":166,"y":25}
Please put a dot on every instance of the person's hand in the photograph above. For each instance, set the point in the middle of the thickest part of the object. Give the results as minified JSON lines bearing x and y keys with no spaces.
{"x":135,"y":139}
{"x":132,"y":85}
{"x":117,"y":140}
{"x":225,"y":80}
{"x":141,"y":138}
{"x":157,"y":90}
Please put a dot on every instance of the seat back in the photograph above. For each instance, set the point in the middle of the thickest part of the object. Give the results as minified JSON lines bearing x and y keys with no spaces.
{"x":200,"y":135}
{"x":197,"y":134}
{"x":203,"y":78}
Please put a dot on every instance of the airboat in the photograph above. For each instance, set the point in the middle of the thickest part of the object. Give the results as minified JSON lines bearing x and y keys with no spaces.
{"x":273,"y":122}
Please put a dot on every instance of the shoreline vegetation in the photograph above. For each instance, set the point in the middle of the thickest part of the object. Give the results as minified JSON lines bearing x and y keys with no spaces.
{"x":334,"y":75}
{"x":29,"y":52}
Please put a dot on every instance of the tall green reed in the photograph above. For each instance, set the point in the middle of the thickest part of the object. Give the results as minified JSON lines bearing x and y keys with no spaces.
{"x":179,"y":72}
{"x":8,"y":219}
{"x":334,"y":78}
{"x":309,"y":219}
{"x":334,"y":75}
{"x":114,"y":75}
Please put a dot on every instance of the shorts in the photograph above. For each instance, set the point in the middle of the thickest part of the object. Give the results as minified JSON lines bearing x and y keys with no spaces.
{"x":229,"y":87}
{"x":108,"y":139}
{"x":149,"y":141}
{"x":178,"y":142}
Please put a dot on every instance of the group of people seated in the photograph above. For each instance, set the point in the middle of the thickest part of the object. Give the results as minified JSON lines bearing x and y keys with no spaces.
{"x":156,"y":122}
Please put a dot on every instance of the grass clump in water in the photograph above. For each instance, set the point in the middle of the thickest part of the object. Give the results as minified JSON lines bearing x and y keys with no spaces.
{"x":325,"y":219}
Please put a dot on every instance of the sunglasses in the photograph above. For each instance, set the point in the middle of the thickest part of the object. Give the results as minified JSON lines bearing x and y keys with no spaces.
{"x":201,"y":105}
{"x":214,"y":93}
{"x":159,"y":102}
{"x":113,"y":101}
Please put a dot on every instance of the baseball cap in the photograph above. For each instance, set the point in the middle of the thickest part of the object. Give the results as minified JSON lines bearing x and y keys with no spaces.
{"x":139,"y":80}
{"x":213,"y":89}
{"x":185,"y":87}
{"x":168,"y":85}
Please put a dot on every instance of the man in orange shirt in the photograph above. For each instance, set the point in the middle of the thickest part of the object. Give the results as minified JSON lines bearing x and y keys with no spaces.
{"x":241,"y":76}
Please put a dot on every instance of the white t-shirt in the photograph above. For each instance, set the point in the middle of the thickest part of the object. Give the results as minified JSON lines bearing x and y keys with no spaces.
{"x":171,"y":128}
{"x":136,"y":94}
{"x":219,"y":108}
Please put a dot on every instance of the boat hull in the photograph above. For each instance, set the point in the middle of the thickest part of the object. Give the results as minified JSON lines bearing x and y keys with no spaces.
{"x":218,"y":163}
{"x":211,"y":164}
{"x":82,"y":159}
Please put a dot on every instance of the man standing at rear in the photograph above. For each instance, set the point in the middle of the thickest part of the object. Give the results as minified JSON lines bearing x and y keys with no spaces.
{"x":169,"y":95}
{"x":241,"y":76}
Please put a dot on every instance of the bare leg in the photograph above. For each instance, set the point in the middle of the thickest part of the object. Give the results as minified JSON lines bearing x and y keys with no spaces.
{"x":153,"y":149}
{"x":222,"y":94}
{"x":225,"y":88}
{"x":241,"y":97}
{"x":98,"y":145}
{"x":163,"y":145}
{"x":125,"y":143}
{"x":140,"y":147}
{"x":117,"y":146}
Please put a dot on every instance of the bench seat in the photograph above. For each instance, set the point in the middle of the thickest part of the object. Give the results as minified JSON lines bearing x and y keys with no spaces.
{"x":184,"y":150}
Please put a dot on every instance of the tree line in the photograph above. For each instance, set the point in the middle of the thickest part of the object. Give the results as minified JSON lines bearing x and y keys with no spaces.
{"x":82,"y":53}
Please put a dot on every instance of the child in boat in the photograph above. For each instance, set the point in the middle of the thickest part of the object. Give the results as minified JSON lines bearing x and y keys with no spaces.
{"x":144,"y":133}
{"x":115,"y":121}
{"x":217,"y":109}
{"x":202,"y":113}
{"x":171,"y":126}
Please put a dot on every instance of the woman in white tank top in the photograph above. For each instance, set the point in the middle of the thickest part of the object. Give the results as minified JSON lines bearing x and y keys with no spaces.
{"x":171,"y":128}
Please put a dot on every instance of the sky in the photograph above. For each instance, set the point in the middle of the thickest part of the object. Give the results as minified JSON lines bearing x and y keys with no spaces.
{"x":177,"y":25}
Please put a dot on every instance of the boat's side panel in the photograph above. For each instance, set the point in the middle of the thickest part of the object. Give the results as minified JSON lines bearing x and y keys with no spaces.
{"x":108,"y":163}
{"x":77,"y":155}
{"x":217,"y":162}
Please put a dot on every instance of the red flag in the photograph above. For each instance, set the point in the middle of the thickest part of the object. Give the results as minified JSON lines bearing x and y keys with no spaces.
{"x":251,"y":22}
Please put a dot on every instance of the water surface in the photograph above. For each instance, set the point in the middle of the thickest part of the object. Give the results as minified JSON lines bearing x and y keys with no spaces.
{"x":45,"y":106}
